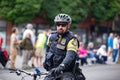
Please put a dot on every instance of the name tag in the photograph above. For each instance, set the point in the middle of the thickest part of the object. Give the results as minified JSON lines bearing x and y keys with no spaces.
{"x":60,"y":46}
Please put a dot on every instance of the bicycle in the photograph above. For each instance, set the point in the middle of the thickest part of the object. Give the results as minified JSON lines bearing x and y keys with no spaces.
{"x":36,"y":75}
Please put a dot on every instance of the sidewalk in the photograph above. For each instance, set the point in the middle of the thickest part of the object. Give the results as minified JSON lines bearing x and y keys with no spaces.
{"x":18,"y":62}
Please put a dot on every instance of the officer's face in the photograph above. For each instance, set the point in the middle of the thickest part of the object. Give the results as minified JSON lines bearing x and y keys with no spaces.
{"x":62,"y":27}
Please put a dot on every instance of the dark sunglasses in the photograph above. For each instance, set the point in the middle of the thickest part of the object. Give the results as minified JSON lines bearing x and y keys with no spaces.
{"x":61,"y":24}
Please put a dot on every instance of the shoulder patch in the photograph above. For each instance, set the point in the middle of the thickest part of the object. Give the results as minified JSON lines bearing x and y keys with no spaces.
{"x":74,"y":42}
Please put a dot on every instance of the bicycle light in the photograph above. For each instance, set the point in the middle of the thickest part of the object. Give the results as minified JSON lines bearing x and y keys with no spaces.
{"x":37,"y":70}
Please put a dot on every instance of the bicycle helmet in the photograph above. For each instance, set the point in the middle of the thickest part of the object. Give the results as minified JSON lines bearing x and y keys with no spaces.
{"x":62,"y":18}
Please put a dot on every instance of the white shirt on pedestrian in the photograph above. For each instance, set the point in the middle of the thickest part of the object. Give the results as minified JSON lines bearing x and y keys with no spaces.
{"x":31,"y":33}
{"x":102,"y":51}
{"x":115,"y":43}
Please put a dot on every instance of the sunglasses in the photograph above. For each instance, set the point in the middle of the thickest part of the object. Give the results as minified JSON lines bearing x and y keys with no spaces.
{"x":61,"y":24}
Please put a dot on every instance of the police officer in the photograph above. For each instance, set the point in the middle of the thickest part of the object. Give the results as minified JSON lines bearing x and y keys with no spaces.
{"x":62,"y":48}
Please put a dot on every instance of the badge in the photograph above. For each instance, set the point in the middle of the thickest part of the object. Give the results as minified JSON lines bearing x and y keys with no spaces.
{"x":63,"y":41}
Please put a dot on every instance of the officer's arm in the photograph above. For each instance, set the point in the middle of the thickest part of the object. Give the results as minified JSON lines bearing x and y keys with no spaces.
{"x":72,"y":48}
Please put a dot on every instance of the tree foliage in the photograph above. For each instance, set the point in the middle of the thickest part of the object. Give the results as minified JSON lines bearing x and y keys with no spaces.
{"x":19,"y":10}
{"x":24,"y":10}
{"x":76,"y":9}
{"x":101,"y":10}
{"x":104,"y":10}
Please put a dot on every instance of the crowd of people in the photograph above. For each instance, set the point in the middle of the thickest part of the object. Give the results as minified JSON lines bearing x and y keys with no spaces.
{"x":32,"y":47}
{"x":105,"y":54}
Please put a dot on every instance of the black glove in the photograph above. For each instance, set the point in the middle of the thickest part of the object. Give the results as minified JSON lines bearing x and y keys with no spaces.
{"x":45,"y":66}
{"x":58,"y":70}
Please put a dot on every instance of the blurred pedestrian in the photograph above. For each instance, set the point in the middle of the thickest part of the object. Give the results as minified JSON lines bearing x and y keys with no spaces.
{"x":49,"y":31}
{"x":1,"y":42}
{"x":29,"y":29}
{"x":27,"y":47}
{"x":101,"y":55}
{"x":1,"y":52}
{"x":83,"y":53}
{"x":110,"y":44}
{"x":110,"y":47}
{"x":91,"y":52}
{"x":40,"y":44}
{"x":115,"y":47}
{"x":13,"y":46}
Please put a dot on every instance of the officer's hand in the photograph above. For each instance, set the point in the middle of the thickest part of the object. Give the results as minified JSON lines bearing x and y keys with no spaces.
{"x":45,"y":66}
{"x":57,"y":71}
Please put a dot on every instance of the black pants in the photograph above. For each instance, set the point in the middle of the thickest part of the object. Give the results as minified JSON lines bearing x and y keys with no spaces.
{"x":2,"y":60}
{"x":64,"y":76}
{"x":83,"y":61}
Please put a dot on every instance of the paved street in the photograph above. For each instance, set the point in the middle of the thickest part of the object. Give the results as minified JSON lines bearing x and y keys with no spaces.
{"x":92,"y":72}
{"x":102,"y":72}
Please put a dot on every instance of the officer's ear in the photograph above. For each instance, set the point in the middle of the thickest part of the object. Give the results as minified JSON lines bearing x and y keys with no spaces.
{"x":69,"y":26}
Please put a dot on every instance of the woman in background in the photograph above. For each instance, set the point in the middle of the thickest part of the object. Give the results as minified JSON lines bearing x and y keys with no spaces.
{"x":83,"y":53}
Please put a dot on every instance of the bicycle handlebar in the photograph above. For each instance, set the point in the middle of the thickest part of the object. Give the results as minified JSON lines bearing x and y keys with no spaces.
{"x":18,"y":72}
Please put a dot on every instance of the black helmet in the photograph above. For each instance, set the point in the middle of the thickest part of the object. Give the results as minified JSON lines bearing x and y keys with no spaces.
{"x":63,"y":18}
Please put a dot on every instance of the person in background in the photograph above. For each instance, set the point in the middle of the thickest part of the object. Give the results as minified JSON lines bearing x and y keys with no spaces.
{"x":49,"y":31}
{"x":91,"y":52}
{"x":13,"y":47}
{"x":115,"y":47}
{"x":29,"y":29}
{"x":1,"y":42}
{"x":40,"y":43}
{"x":101,"y":55}
{"x":110,"y":45}
{"x":83,"y":53}
{"x":1,"y":52}
{"x":27,"y":47}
